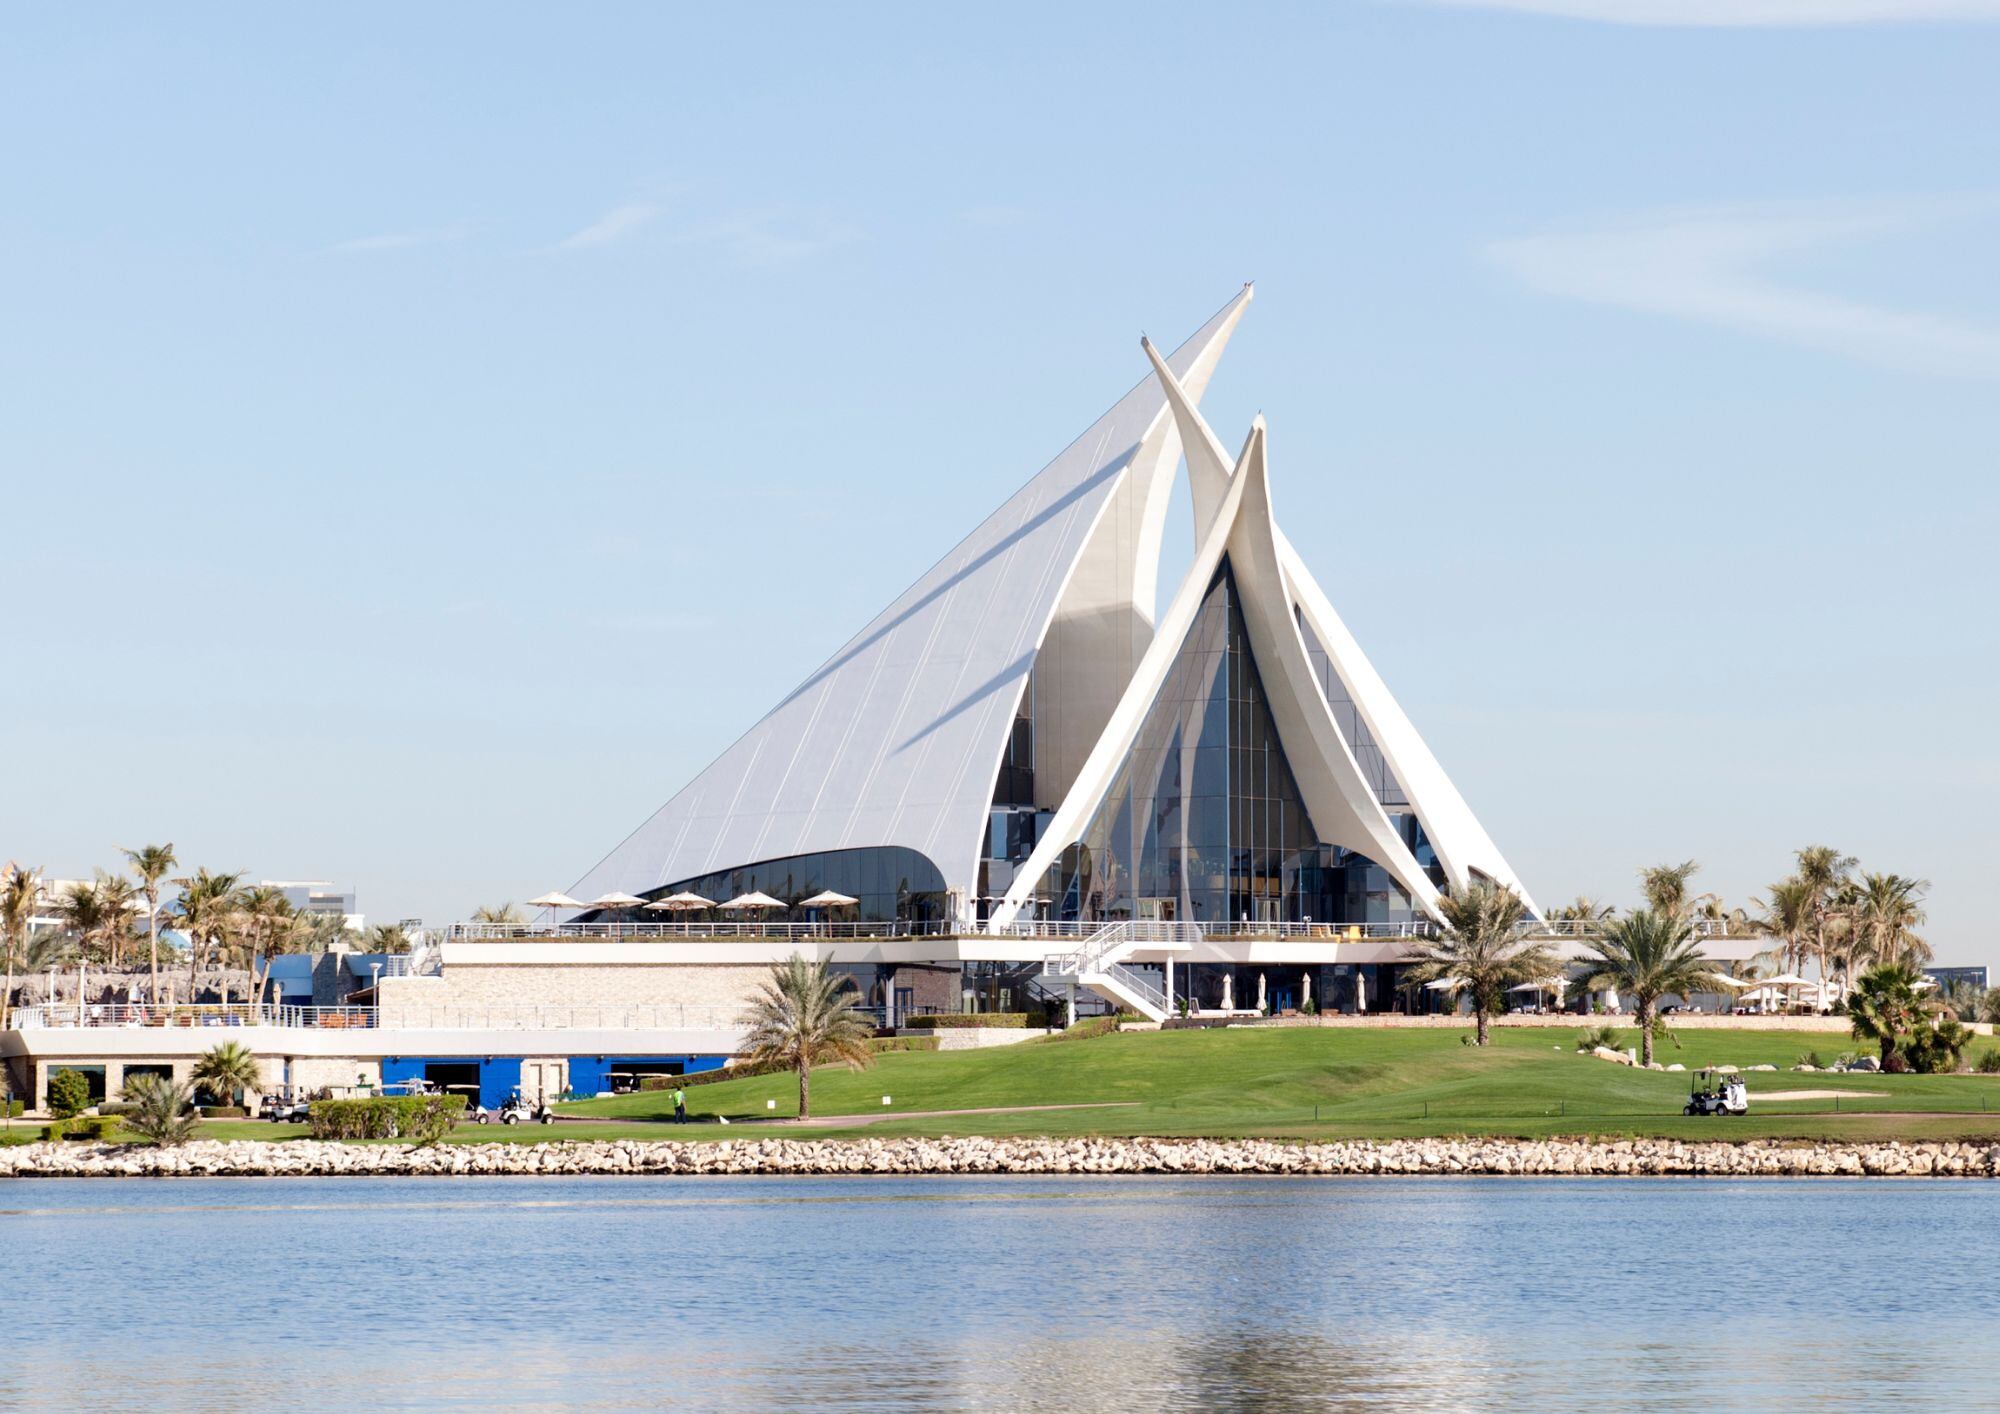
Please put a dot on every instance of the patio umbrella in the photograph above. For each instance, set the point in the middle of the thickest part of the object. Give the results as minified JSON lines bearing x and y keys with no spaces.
{"x":1305,"y":988}
{"x":554,"y":900}
{"x":1261,"y":1003}
{"x":615,"y":900}
{"x":1228,"y":991}
{"x":676,"y":903}
{"x":753,"y":899}
{"x":828,"y":898}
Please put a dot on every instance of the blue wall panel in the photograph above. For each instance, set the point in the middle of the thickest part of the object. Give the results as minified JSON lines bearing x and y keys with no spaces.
{"x":591,"y":1075}
{"x":499,"y":1077}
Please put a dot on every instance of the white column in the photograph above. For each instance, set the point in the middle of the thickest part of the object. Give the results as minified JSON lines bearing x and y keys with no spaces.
{"x":1170,"y":985}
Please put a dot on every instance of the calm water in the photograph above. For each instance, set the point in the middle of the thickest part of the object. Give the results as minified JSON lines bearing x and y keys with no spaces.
{"x":742,"y":1294}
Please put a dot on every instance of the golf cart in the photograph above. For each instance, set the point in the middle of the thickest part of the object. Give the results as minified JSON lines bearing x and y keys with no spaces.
{"x":518,"y":1111}
{"x":284,"y":1109}
{"x":1714,"y":1093}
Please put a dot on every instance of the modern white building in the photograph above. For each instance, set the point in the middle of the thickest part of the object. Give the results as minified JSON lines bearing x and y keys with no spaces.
{"x":1033,"y":779}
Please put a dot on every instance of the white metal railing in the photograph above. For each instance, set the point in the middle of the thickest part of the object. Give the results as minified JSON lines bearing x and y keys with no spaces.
{"x":528,"y":1016}
{"x":193,"y":1015}
{"x":505,"y":932}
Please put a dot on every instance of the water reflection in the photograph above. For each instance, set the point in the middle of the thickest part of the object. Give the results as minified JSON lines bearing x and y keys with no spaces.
{"x":1032,"y":1294}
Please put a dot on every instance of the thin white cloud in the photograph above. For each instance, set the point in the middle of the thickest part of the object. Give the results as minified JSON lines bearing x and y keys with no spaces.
{"x":613,"y":226}
{"x":769,"y":238}
{"x":401,"y":240}
{"x":1713,"y":266}
{"x":1744,"y":14}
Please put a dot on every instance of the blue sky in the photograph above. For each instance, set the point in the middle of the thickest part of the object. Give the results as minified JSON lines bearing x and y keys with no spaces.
{"x":428,"y":435}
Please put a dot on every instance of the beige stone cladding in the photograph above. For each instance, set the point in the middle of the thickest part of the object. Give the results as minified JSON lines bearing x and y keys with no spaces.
{"x":467,"y":991}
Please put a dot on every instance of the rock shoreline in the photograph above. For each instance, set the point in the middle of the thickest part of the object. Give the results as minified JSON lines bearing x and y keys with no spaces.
{"x":1559,"y":1158}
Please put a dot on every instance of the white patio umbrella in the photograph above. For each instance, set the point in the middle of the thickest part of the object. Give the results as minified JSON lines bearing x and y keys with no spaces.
{"x":828,"y":898}
{"x":680,"y":902}
{"x":754,"y":899}
{"x":615,"y":900}
{"x":1784,"y":979}
{"x":554,"y":900}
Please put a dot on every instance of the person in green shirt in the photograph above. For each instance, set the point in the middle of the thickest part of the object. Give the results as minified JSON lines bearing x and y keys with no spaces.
{"x":680,"y":1105}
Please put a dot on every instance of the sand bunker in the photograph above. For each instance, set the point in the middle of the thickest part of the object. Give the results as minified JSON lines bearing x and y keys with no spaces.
{"x":1817,"y":1094}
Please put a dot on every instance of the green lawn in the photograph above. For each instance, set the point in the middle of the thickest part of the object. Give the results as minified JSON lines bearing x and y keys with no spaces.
{"x":1340,"y":1082}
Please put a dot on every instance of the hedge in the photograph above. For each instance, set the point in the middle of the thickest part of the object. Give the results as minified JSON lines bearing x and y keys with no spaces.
{"x":95,"y":1127}
{"x":423,"y":1118}
{"x":1087,"y":1028}
{"x":962,"y":1020}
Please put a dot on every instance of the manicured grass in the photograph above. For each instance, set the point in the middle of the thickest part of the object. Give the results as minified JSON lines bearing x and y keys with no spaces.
{"x":1341,"y":1082}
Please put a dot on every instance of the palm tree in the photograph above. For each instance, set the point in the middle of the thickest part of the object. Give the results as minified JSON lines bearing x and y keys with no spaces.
{"x":226,"y":1069}
{"x":19,"y":887}
{"x":265,"y":922}
{"x":1890,"y":910}
{"x":501,"y":913}
{"x":1824,"y":869}
{"x":387,"y":938}
{"x":149,"y":865}
{"x":160,"y":1112}
{"x":83,"y":913}
{"x":1585,"y":910}
{"x":1481,"y":950}
{"x":47,"y":950}
{"x":1666,"y":888}
{"x":203,"y":913}
{"x":805,"y":1016}
{"x":119,"y":901}
{"x":1885,"y":1007}
{"x":1649,"y":955}
{"x":1788,"y":917}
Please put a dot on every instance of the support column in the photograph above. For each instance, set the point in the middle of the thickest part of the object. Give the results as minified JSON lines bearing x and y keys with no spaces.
{"x":1069,"y":1004}
{"x":1171,"y":1010}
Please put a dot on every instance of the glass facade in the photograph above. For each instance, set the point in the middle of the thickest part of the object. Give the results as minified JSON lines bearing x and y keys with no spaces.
{"x":1205,"y":820}
{"x":893,"y":884}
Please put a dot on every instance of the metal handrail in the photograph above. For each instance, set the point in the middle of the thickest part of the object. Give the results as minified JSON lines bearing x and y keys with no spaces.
{"x":532,"y":932}
{"x":193,"y":1014}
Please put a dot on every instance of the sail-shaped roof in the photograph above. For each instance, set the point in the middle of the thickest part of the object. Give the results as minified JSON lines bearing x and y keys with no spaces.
{"x":896,"y":739}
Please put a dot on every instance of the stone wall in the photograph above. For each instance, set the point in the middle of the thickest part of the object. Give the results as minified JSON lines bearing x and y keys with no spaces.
{"x":776,"y":1154}
{"x":463,"y":987}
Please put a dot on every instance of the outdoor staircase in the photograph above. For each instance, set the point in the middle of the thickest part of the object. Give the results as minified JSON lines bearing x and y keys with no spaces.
{"x":1098,"y":964}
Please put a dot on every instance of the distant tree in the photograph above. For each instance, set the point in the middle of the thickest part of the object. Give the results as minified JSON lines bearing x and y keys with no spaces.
{"x":387,"y":937}
{"x":48,"y":949}
{"x":1649,"y":955}
{"x":265,"y":920}
{"x":205,"y":912}
{"x":1888,"y":912}
{"x":161,"y":1113}
{"x":1666,"y":888}
{"x":149,"y":865}
{"x":497,"y":913}
{"x":19,"y":887}
{"x":226,"y":1069}
{"x":118,"y":902}
{"x":1788,"y":917}
{"x":81,"y":908}
{"x":1824,"y":870}
{"x":806,"y":1016}
{"x":1481,"y":951}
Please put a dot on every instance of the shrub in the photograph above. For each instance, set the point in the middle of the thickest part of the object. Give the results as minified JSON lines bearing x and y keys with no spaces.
{"x":56,"y":1129}
{"x":966,"y":1020}
{"x":422,"y":1119}
{"x":1812,"y":1059}
{"x":1989,"y":1063}
{"x":160,"y":1112}
{"x":1089,"y":1027}
{"x":226,"y":1112}
{"x":1895,"y":1064}
{"x":69,"y":1093}
{"x":96,"y":1127}
{"x":1592,"y":1037}
{"x":13,"y":1109}
{"x":903,"y":1043}
{"x":12,"y":1138}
